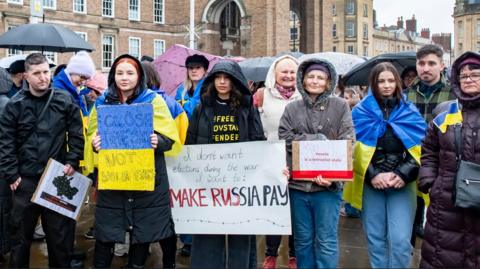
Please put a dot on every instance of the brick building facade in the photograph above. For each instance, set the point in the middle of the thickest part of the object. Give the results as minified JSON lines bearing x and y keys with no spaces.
{"x":245,"y":28}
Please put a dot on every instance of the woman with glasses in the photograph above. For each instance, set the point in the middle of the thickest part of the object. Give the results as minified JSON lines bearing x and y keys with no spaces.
{"x":452,"y":234}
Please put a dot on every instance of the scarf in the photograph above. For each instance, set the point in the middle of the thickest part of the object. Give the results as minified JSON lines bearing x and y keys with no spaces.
{"x":285,"y":92}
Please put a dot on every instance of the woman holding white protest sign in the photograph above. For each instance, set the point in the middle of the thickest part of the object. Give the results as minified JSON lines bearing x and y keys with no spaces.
{"x":315,"y":204}
{"x":389,"y":130}
{"x":225,"y":115}
{"x":280,"y":90}
{"x":144,"y":215}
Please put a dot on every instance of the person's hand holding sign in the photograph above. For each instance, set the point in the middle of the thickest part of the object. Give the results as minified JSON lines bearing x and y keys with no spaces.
{"x":96,"y":142}
{"x":322,"y":182}
{"x":154,"y":140}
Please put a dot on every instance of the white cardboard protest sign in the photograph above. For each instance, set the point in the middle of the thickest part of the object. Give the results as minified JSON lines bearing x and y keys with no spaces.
{"x":330,"y":158}
{"x":236,"y":188}
{"x":61,"y":193}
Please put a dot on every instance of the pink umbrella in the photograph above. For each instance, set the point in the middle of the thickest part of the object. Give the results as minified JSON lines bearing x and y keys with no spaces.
{"x":171,"y":66}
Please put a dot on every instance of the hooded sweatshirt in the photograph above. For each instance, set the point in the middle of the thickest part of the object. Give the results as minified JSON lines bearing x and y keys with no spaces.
{"x":273,"y":102}
{"x":328,"y":117}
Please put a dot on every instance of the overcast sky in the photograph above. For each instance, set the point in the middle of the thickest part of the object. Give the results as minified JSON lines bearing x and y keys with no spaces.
{"x":433,"y":14}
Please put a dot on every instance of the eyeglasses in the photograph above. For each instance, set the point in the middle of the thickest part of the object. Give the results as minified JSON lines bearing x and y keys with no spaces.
{"x":474,"y":77}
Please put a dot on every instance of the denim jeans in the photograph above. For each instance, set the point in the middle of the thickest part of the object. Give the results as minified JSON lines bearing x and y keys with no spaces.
{"x":315,"y":225}
{"x":387,"y":218}
{"x":210,"y":251}
{"x":186,"y":239}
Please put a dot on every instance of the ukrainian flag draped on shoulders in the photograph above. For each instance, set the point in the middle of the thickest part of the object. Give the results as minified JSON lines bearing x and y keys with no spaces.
{"x":406,"y":123}
{"x":163,"y":124}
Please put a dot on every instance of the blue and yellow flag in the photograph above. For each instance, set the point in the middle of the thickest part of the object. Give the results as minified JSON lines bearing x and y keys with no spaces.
{"x":406,"y":123}
{"x":452,"y":116}
{"x":163,"y":123}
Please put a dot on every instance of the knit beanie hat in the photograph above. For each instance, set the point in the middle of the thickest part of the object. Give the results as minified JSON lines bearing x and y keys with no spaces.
{"x":319,"y":67}
{"x":81,"y":64}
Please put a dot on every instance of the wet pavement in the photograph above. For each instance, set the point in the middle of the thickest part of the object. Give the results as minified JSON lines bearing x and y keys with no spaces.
{"x":353,"y":251}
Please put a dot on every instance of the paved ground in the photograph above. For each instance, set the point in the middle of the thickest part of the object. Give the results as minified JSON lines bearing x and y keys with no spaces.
{"x":353,"y":252}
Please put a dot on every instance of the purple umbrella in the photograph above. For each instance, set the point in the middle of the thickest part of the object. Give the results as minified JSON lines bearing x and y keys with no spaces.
{"x":171,"y":66}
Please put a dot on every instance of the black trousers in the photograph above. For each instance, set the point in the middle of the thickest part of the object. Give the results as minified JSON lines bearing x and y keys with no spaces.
{"x":169,"y":251}
{"x":273,"y":243}
{"x":103,"y":255}
{"x":59,"y":230}
{"x":419,"y":213}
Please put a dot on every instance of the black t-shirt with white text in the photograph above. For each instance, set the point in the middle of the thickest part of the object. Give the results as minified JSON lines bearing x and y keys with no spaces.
{"x":225,"y":123}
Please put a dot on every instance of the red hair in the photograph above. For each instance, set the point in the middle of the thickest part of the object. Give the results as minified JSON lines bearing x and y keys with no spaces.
{"x":134,"y":64}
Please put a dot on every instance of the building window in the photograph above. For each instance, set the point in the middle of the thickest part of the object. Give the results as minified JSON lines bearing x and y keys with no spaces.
{"x":230,"y":22}
{"x":350,"y":49}
{"x":108,"y":50}
{"x":17,"y":2}
{"x":51,"y":56}
{"x":158,"y":47}
{"x":158,"y":11}
{"x":334,"y":30}
{"x":334,"y":10}
{"x":49,"y":4}
{"x":350,"y":8}
{"x":134,"y":47}
{"x":460,"y":47}
{"x":80,"y":6}
{"x":460,"y":29}
{"x":478,"y":46}
{"x":293,"y":33}
{"x":365,"y":51}
{"x":11,"y":52}
{"x":350,"y":29}
{"x":365,"y":31}
{"x":334,"y":49}
{"x":108,"y":8}
{"x":365,"y":10}
{"x":83,"y":35}
{"x":134,"y":10}
{"x":478,"y":27}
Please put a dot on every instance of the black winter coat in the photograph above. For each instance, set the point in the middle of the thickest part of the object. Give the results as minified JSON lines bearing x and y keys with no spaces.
{"x":146,"y":215}
{"x":249,"y":123}
{"x":452,"y":234}
{"x":26,"y":148}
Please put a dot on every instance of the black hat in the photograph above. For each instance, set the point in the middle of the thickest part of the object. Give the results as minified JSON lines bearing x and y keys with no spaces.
{"x":146,"y":58}
{"x":197,"y":60}
{"x":17,"y":67}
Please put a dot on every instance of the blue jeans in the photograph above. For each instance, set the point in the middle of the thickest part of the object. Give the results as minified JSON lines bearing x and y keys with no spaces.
{"x":387,"y":218}
{"x":210,"y":251}
{"x":315,"y":222}
{"x":186,"y":239}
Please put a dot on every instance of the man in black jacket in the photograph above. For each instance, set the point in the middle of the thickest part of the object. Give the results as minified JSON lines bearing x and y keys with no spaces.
{"x":27,"y":141}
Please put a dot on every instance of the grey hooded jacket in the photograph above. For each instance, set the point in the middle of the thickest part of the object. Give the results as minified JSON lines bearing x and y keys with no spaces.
{"x":328,"y":117}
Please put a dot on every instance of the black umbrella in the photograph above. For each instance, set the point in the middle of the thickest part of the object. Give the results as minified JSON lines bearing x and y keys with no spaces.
{"x":360,"y":73}
{"x":256,"y":69}
{"x":43,"y":37}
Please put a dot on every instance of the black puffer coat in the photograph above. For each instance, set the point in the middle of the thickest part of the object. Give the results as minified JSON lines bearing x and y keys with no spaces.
{"x":452,"y":235}
{"x":249,"y":123}
{"x":145,"y":214}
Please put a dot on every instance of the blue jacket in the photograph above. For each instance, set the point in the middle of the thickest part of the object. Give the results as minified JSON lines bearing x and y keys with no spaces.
{"x":189,"y":102}
{"x":62,"y":82}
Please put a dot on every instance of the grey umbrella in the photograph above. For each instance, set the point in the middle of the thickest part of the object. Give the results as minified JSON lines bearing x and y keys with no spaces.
{"x":256,"y":68}
{"x":43,"y":37}
{"x":360,"y":73}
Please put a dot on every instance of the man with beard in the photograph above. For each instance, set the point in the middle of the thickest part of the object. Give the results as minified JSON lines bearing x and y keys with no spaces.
{"x":426,"y":92}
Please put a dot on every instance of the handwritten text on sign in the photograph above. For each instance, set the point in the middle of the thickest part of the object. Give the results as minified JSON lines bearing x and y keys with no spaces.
{"x":230,"y":189}
{"x":126,"y":160}
{"x":125,"y":126}
{"x":330,"y":158}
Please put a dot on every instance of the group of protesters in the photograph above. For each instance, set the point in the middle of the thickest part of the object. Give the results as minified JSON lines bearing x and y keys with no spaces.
{"x":402,"y":149}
